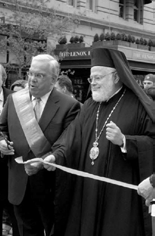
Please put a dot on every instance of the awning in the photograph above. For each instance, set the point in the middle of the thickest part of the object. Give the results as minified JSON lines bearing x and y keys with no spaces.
{"x":147,"y":1}
{"x":135,"y":66}
{"x":139,"y":66}
{"x":75,"y":64}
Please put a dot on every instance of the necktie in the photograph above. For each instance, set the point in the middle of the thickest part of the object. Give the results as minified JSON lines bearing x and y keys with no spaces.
{"x":37,"y":108}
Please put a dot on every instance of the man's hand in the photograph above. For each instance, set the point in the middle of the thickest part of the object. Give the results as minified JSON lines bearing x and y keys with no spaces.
{"x":146,"y":190}
{"x":6,"y":148}
{"x":150,"y":198}
{"x":114,"y":134}
{"x":33,"y":168}
{"x":50,"y":159}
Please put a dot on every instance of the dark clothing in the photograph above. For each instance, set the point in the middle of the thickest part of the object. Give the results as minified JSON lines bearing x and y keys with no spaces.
{"x":40,"y":212}
{"x":3,"y":164}
{"x":59,"y":111}
{"x":4,"y":176}
{"x":97,"y":208}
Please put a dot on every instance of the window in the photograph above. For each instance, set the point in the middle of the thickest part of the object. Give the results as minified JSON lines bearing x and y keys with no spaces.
{"x":71,"y":2}
{"x":138,"y":11}
{"x":89,"y":4}
{"x":122,"y":9}
{"x":135,"y":13}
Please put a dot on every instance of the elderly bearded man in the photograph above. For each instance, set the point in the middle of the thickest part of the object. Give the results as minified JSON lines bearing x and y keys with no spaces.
{"x":33,"y":118}
{"x":112,"y":136}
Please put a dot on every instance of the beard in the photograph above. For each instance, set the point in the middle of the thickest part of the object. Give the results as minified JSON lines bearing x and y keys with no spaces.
{"x":102,"y":94}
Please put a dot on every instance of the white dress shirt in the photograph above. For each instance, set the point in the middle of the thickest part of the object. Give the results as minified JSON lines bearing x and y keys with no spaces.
{"x":43,"y":101}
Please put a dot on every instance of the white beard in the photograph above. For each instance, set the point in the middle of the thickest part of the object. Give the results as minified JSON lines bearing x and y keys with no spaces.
{"x":100,"y":96}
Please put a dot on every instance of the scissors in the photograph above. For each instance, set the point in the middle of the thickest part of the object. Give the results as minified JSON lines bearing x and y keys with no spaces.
{"x":6,"y":139}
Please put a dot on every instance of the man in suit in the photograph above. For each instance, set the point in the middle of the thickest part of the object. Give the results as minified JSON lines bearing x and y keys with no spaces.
{"x":64,"y":85}
{"x":4,"y":92}
{"x":33,"y":119}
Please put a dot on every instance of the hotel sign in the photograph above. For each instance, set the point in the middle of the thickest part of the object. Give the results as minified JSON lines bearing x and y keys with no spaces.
{"x":74,"y":54}
{"x":131,"y":54}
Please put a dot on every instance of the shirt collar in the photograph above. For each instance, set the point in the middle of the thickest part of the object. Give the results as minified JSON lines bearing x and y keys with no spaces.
{"x":43,"y":98}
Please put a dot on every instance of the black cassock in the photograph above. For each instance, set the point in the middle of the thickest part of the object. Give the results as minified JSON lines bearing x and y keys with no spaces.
{"x":86,"y":207}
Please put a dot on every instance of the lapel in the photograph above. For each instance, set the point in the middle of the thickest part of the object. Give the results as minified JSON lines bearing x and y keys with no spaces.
{"x":50,"y":109}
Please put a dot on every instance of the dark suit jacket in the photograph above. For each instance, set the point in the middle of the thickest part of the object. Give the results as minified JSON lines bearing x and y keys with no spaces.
{"x":3,"y":162}
{"x":59,"y":111}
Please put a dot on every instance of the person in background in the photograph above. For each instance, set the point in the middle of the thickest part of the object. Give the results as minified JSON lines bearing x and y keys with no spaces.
{"x":18,"y":85}
{"x":147,"y":189}
{"x":4,"y":92}
{"x":111,"y":137}
{"x":64,"y":85}
{"x":33,"y":119}
{"x":9,"y":219}
{"x":149,"y":85}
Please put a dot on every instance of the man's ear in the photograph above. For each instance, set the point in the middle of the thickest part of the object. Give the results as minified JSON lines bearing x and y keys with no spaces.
{"x":116,"y":78}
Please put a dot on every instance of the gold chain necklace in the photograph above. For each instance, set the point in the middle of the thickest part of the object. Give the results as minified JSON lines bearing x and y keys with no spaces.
{"x":94,"y":151}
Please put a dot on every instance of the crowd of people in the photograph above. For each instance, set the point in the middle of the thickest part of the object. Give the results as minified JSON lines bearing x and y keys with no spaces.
{"x":111,"y":135}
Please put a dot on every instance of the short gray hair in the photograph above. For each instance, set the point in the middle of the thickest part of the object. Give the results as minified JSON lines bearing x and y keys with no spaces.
{"x":53,"y":63}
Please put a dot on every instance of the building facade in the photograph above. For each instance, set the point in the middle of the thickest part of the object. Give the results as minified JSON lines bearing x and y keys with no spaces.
{"x":109,"y":19}
{"x":128,"y":21}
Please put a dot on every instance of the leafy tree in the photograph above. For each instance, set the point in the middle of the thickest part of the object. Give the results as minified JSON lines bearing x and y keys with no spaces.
{"x":30,"y":26}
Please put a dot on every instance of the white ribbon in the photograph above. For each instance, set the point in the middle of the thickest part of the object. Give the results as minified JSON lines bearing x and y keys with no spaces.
{"x":79,"y":173}
{"x":95,"y":177}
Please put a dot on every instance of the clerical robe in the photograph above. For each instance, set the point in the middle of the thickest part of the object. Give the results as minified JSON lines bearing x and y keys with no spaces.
{"x":86,"y":207}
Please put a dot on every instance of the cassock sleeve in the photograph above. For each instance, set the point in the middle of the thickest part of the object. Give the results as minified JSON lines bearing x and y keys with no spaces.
{"x":141,"y":146}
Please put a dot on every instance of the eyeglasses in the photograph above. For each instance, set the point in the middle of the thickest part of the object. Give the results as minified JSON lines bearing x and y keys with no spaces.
{"x":98,"y":78}
{"x":35,"y":75}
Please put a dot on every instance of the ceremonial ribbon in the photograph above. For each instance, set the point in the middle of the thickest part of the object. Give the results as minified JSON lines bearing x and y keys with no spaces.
{"x":92,"y":176}
{"x":79,"y":173}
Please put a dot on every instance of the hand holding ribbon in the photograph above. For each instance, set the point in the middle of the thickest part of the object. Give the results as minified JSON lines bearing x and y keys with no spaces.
{"x":33,"y":166}
{"x":146,"y":190}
